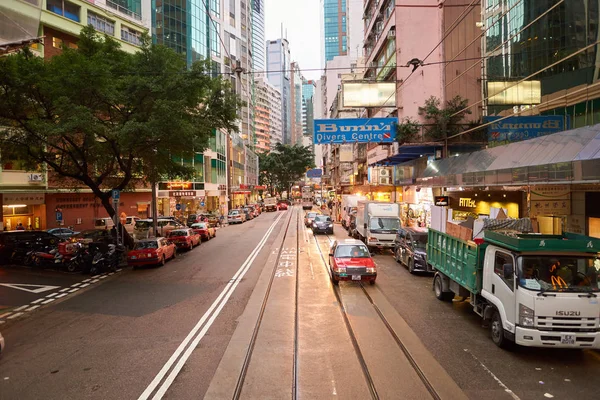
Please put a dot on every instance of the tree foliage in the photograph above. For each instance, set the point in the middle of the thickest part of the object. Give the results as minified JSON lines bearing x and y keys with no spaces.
{"x":100,"y":117}
{"x":285,"y":165}
{"x":441,"y":122}
{"x":407,"y":130}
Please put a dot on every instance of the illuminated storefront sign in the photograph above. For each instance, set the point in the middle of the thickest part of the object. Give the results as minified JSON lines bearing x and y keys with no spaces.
{"x":357,"y":130}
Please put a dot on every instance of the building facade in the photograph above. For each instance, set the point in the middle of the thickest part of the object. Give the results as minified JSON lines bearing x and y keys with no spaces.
{"x":334,"y":29}
{"x":259,"y":52}
{"x":262,"y":116}
{"x":297,"y":122}
{"x":279,"y":75}
{"x":309,"y":88}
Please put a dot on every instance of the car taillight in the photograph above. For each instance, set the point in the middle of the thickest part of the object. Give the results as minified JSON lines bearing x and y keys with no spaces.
{"x":151,"y":254}
{"x":372,"y":239}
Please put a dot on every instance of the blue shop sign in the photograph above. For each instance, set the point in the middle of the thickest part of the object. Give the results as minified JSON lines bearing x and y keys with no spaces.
{"x":355,"y":130}
{"x":314,"y":173}
{"x":516,"y":129}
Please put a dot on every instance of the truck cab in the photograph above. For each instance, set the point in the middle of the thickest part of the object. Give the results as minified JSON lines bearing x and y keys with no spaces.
{"x":377,"y":223}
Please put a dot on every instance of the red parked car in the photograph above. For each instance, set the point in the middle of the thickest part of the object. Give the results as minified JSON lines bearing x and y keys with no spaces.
{"x":151,"y":252}
{"x":350,"y":260}
{"x":184,"y":238}
{"x":205,"y":231}
{"x":282,"y":205}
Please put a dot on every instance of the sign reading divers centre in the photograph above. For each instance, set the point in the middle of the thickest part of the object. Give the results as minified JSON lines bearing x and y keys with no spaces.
{"x":355,"y":130}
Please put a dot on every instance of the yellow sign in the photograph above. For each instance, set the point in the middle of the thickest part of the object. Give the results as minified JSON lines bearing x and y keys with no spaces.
{"x":467,"y":202}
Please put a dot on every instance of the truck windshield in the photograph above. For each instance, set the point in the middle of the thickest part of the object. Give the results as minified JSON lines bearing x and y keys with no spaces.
{"x":384,"y":224}
{"x":559,"y":273}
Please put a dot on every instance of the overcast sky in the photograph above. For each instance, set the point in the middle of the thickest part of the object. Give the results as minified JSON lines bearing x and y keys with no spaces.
{"x":301,"y":18}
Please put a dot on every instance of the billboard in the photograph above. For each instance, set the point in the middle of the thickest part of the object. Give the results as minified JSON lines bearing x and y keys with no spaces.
{"x":516,"y":129}
{"x":346,"y":153}
{"x":368,"y":94}
{"x":355,"y":130}
{"x":509,"y":93}
{"x":314,"y":173}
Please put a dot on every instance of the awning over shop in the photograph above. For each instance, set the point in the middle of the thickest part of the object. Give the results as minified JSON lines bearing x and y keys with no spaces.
{"x":410,"y":152}
{"x":563,"y":147}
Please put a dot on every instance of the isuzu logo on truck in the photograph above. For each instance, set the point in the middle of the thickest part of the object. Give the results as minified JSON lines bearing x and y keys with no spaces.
{"x":568,"y":313}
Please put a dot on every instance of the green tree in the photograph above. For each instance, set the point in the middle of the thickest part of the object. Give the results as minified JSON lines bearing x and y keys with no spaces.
{"x":100,"y":117}
{"x":285,"y":165}
{"x":407,"y":130}
{"x":441,"y":122}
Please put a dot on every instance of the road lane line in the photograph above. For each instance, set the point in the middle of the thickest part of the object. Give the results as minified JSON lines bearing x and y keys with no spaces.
{"x":104,"y":276}
{"x":86,"y":285}
{"x":63,"y":290}
{"x":76,"y":284}
{"x":21,"y":308}
{"x":52,"y":295}
{"x":5,"y":314}
{"x":48,"y":301}
{"x":95,"y":280}
{"x":502,"y":385}
{"x":62,"y":295}
{"x":165,"y":369}
{"x":33,"y":308}
{"x":37,"y":301}
{"x":15,"y":315}
{"x":86,"y":280}
{"x":73,"y":290}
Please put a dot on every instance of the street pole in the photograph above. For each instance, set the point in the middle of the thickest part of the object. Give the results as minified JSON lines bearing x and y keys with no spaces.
{"x":154,"y":210}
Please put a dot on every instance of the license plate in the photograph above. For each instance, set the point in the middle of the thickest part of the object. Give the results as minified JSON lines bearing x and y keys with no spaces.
{"x":356,"y":277}
{"x":133,"y":257}
{"x":567,"y":339}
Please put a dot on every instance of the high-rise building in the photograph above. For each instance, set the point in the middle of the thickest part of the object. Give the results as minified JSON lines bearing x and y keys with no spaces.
{"x":259,"y":52}
{"x":279,"y":75}
{"x":267,"y":115}
{"x":309,"y":87}
{"x":334,"y":30}
{"x":296,"y":96}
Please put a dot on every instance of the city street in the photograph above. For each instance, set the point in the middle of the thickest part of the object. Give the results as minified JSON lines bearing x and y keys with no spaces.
{"x":252,"y":314}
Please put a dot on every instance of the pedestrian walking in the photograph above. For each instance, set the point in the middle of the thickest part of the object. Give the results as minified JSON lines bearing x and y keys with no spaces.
{"x":20,"y":227}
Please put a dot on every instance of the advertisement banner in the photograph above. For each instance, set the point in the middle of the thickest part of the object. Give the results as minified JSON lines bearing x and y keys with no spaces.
{"x":355,"y":130}
{"x":346,"y":153}
{"x":314,"y":173}
{"x":516,"y":129}
{"x":550,"y":200}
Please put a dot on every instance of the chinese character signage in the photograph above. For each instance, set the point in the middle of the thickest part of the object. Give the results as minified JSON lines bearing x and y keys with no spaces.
{"x":516,"y":129}
{"x":23,"y":198}
{"x":355,"y":130}
{"x":550,"y":200}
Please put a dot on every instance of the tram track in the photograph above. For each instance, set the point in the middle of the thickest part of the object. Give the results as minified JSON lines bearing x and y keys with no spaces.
{"x":401,"y":345}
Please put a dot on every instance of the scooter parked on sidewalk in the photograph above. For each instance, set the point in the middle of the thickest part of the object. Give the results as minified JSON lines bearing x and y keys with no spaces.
{"x":46,"y":257}
{"x":105,"y":258}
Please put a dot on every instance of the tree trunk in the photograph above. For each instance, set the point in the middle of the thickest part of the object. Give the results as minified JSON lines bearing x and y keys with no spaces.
{"x":127,"y":239}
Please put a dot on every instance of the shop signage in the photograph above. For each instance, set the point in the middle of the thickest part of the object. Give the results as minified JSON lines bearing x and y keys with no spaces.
{"x":346,"y":153}
{"x":23,"y":198}
{"x":36,"y":178}
{"x":467,"y":202}
{"x":179,"y":185}
{"x":550,"y":200}
{"x":377,"y":154}
{"x":368,"y":94}
{"x":314,"y":173}
{"x":357,"y":130}
{"x":516,"y":129}
{"x":260,"y":187}
{"x":182,"y":193}
{"x":442,"y":201}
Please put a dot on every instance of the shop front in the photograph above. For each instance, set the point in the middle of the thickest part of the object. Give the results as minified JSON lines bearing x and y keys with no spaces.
{"x":27,"y":209}
{"x":216,"y":199}
{"x":550,"y":206}
{"x":415,"y":210}
{"x":465,"y":204}
{"x":79,"y":210}
{"x":181,"y":203}
{"x":240,"y":196}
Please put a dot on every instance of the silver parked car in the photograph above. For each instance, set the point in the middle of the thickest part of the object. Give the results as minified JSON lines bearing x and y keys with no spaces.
{"x":63,"y":233}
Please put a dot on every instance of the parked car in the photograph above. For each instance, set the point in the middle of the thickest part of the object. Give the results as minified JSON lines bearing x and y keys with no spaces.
{"x":205,"y":231}
{"x":151,"y":252}
{"x":213,"y":220}
{"x":350,"y":260}
{"x":103,"y":223}
{"x":130,"y":224}
{"x":309,"y":218}
{"x":249,"y":213}
{"x":14,"y":245}
{"x":63,"y":233}
{"x":282,"y":205}
{"x":322,"y":223}
{"x":236,"y":217}
{"x":143,"y":227}
{"x":93,"y":235}
{"x":257,"y":209}
{"x":410,"y":249}
{"x":184,"y":238}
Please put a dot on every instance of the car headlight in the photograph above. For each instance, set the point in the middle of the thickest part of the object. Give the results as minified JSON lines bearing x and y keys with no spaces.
{"x":371,"y":270}
{"x":419,"y":256}
{"x":314,"y":225}
{"x":526,"y":316}
{"x":330,"y":225}
{"x":341,"y":270}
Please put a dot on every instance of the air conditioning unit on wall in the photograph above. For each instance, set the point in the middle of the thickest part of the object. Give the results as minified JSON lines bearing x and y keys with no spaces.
{"x":384,"y":172}
{"x":384,"y":180}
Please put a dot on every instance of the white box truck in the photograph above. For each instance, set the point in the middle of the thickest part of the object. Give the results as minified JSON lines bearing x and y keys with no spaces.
{"x":349,"y":203}
{"x":377,"y":223}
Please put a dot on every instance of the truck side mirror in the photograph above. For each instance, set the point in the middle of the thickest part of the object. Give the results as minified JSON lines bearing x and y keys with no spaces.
{"x":509,"y":271}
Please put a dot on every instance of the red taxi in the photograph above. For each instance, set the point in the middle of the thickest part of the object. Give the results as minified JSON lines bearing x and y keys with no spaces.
{"x":184,"y":238}
{"x":205,"y":231}
{"x":350,"y":260}
{"x":282,"y":205}
{"x":151,"y":252}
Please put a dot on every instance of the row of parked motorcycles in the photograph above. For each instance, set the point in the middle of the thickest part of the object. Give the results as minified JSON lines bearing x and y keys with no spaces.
{"x":93,"y":258}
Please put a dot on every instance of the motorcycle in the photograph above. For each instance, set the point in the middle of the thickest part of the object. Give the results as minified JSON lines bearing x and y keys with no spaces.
{"x":106,"y":259}
{"x":47,"y":257}
{"x":76,"y":258}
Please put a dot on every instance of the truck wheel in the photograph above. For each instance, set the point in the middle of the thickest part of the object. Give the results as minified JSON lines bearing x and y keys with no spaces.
{"x":411,"y":266}
{"x":497,"y":331}
{"x":438,"y":289}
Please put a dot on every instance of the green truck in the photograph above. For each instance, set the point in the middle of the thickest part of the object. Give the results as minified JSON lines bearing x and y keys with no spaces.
{"x":533,"y":290}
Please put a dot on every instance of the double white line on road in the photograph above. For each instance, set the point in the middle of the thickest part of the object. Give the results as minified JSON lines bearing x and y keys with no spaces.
{"x":185,"y":349}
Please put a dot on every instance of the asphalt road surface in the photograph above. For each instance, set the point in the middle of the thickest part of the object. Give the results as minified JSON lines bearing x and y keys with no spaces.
{"x":256,"y":302}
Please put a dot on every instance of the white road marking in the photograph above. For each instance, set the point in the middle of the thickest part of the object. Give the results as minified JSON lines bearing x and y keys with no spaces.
{"x":502,"y":385}
{"x":73,"y":290}
{"x":21,"y":308}
{"x":104,"y":276}
{"x":120,"y":269}
{"x":5,"y":314}
{"x":76,"y":284}
{"x":216,"y":306}
{"x":95,"y":280}
{"x":15,"y":315}
{"x":26,"y":287}
{"x":95,"y":276}
{"x":86,"y":280}
{"x":63,"y":290}
{"x":48,"y":301}
{"x":37,"y":301}
{"x":112,"y":273}
{"x":62,"y":295}
{"x":86,"y":285}
{"x":52,"y":295}
{"x":33,"y":308}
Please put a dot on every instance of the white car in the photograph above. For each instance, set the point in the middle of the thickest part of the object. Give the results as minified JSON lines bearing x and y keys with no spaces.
{"x":1,"y":344}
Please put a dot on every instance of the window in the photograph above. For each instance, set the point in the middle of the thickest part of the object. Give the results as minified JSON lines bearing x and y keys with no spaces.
{"x":101,"y":24}
{"x":130,"y":36}
{"x":504,"y":265}
{"x":63,"y":8}
{"x":57,"y":42}
{"x":215,"y":7}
